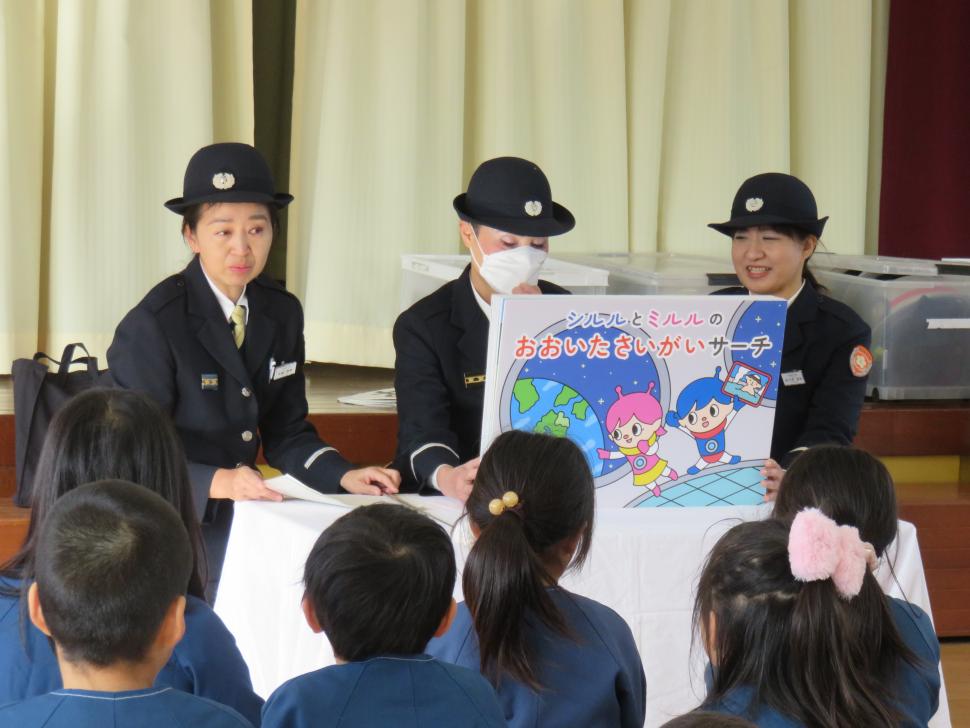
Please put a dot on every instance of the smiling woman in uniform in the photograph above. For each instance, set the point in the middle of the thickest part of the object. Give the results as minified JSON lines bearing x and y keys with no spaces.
{"x":774,"y":230}
{"x":220,"y":347}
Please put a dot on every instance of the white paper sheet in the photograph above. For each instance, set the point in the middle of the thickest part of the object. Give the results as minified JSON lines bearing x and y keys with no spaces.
{"x":444,"y":510}
{"x":377,"y":398}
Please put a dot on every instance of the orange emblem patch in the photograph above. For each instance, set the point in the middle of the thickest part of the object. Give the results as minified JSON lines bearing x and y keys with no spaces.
{"x":860,"y":361}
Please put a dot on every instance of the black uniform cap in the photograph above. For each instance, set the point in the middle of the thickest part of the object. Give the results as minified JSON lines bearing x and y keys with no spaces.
{"x":773,"y":198}
{"x":513,"y":195}
{"x":228,"y":172}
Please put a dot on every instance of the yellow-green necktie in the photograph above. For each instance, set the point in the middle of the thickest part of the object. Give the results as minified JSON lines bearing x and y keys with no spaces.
{"x":238,"y":318}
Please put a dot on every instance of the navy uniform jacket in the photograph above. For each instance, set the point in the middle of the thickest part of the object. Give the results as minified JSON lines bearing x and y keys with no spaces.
{"x":439,"y":376}
{"x":820,"y":335}
{"x":177,"y":346}
{"x":593,"y":681}
{"x":151,"y":708}
{"x":918,"y":688}
{"x":407,"y":691}
{"x":206,"y":662}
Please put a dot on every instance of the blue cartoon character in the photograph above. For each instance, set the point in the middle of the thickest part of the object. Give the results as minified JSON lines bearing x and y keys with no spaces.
{"x":634,"y":423}
{"x":704,"y":412}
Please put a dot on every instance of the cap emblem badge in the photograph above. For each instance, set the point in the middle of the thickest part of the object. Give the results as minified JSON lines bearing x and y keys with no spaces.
{"x":533,"y":208}
{"x":223,"y":180}
{"x":753,"y":204}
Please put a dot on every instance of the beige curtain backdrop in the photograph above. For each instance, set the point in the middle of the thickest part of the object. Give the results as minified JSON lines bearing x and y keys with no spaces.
{"x":645,"y":114}
{"x":21,"y":179}
{"x":104,"y":102}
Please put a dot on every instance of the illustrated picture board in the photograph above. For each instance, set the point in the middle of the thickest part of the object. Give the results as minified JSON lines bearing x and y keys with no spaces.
{"x":670,"y":398}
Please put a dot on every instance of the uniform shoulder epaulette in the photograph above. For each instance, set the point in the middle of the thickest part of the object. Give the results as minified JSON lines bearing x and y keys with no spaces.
{"x":271,"y":285}
{"x":836,"y":307}
{"x":438,"y":302}
{"x":170,"y":289}
{"x":841,"y":311}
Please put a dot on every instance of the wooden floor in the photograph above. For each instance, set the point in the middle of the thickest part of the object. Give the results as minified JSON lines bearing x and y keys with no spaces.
{"x":955,"y":654}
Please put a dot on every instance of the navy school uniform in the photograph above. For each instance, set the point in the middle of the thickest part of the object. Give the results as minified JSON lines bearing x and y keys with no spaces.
{"x":177,"y":346}
{"x":415,"y":691}
{"x":151,"y":708}
{"x":440,"y":346}
{"x":918,"y":686}
{"x":595,"y":680}
{"x":738,"y":702}
{"x":206,"y":662}
{"x":822,"y":402}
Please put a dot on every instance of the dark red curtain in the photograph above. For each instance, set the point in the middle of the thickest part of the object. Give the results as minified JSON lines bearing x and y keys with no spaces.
{"x":925,"y":205}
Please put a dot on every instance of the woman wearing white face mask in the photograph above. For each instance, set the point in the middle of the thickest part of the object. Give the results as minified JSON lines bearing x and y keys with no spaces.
{"x":506,"y":219}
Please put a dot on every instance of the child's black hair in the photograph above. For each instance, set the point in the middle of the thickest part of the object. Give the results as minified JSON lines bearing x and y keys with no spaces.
{"x":380,"y":581}
{"x":505,"y":579}
{"x":848,"y":485}
{"x":111,"y":433}
{"x":800,"y":647}
{"x":110,"y":559}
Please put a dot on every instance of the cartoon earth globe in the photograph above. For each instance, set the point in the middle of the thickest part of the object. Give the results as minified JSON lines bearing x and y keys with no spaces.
{"x":554,"y":408}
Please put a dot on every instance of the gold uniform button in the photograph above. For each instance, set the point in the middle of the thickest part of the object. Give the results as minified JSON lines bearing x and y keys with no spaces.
{"x":247,"y":436}
{"x":246,"y":392}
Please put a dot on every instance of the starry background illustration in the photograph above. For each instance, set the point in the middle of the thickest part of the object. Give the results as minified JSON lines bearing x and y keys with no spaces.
{"x":761,"y":318}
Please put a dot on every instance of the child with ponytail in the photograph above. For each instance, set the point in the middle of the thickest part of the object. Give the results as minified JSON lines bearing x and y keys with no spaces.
{"x":796,"y":627}
{"x":853,"y":488}
{"x":555,"y":658}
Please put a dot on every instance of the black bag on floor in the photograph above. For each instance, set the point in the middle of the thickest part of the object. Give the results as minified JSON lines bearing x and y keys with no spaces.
{"x":37,"y":396}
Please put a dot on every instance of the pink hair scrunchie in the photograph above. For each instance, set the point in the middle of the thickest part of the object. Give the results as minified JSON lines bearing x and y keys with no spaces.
{"x":820,"y":549}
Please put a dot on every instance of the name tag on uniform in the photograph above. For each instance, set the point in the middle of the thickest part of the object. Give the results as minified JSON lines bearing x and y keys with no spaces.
{"x":210,"y":382}
{"x":793,"y":377}
{"x":281,"y":370}
{"x":471,"y":379}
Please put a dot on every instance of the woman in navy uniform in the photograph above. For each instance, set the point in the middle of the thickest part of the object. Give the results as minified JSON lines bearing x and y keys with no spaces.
{"x":775,"y":228}
{"x":506,"y":219}
{"x":220,"y":347}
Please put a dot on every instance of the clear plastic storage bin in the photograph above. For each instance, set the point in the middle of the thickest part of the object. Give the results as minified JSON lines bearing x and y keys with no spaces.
{"x":875,"y":265}
{"x":661,"y":273}
{"x":920,"y":323}
{"x":424,"y":274}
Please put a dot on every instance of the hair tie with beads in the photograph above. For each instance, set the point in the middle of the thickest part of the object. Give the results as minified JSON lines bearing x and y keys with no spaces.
{"x":508,"y":501}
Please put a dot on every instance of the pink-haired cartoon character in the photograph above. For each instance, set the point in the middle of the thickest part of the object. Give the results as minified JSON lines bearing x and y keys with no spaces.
{"x":634,"y":423}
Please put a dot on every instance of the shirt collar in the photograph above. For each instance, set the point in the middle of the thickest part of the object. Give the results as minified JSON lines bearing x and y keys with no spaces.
{"x":225,"y":303}
{"x":486,"y":309}
{"x":790,"y":300}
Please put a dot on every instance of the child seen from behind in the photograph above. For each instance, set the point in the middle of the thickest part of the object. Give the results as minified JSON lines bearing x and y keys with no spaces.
{"x":796,"y":627}
{"x":379,"y":583}
{"x":853,"y":488}
{"x":112,"y":561}
{"x":555,"y":658}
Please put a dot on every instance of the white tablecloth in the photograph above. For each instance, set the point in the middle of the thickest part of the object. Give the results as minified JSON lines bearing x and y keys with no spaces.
{"x":644,"y":564}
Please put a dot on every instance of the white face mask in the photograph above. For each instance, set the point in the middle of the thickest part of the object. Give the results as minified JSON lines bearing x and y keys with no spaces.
{"x":506,"y":269}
